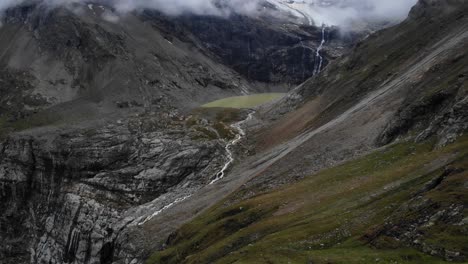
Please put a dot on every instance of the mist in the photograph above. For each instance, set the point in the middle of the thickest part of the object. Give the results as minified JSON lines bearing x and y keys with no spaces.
{"x":341,"y":13}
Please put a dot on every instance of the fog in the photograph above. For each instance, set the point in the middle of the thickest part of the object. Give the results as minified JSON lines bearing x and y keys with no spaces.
{"x":340,"y":13}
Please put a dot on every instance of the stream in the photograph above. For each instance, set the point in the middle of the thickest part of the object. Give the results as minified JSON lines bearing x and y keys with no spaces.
{"x":230,"y":159}
{"x":240,"y":134}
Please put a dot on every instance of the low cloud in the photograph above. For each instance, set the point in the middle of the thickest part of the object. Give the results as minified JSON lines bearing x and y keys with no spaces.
{"x":359,"y":10}
{"x":345,"y":13}
{"x":339,"y":13}
{"x":170,"y":7}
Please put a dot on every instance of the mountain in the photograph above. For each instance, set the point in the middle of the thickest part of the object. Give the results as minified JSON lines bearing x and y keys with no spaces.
{"x":365,"y":164}
{"x":106,"y":157}
{"x":72,"y":57}
{"x":79,"y":54}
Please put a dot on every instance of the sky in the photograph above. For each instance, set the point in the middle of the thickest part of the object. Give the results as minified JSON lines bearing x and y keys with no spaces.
{"x":338,"y":15}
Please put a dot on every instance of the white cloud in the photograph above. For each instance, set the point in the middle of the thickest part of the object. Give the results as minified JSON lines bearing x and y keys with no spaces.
{"x":344,"y":12}
{"x":340,"y":14}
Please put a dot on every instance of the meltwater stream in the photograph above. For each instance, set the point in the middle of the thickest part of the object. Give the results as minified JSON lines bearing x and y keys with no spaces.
{"x":230,"y":159}
{"x":176,"y":201}
{"x":240,"y":134}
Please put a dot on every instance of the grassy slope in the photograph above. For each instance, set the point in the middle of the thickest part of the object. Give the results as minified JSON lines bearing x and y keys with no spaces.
{"x":247,"y":101}
{"x":326,"y":217}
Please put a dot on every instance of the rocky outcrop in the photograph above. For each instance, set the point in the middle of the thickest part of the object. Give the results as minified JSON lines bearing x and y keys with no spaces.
{"x":450,"y":124}
{"x":66,"y":198}
{"x":442,"y":114}
{"x":428,"y":216}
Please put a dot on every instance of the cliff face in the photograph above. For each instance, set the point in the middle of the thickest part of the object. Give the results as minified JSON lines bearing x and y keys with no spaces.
{"x":266,"y":50}
{"x":69,"y":197}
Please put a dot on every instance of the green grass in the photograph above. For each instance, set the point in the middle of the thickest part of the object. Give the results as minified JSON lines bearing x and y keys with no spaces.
{"x":326,"y":217}
{"x":247,"y":101}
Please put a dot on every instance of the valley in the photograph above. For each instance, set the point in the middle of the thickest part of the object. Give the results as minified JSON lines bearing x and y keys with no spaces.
{"x":233,"y":135}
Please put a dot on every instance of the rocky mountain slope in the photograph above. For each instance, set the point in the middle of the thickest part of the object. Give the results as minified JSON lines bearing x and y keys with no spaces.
{"x":60,"y":56}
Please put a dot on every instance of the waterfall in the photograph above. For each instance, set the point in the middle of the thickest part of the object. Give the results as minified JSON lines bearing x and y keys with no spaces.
{"x":318,"y":57}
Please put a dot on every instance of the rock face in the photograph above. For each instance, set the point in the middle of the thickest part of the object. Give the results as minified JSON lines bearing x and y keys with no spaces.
{"x":66,"y":197}
{"x":263,"y":50}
